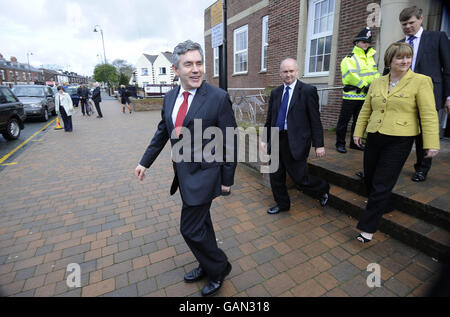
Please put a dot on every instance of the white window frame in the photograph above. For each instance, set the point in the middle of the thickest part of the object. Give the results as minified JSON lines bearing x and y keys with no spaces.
{"x":3,"y":74}
{"x":264,"y":42}
{"x":236,"y":32}
{"x":216,"y":61}
{"x":311,"y":36}
{"x":161,"y":71}
{"x":142,"y":71}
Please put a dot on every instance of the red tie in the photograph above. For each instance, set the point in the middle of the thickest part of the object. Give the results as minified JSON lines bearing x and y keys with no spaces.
{"x":182,"y":113}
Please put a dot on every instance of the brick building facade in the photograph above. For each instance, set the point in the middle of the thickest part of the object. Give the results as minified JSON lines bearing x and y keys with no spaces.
{"x":318,"y":33}
{"x":13,"y":73}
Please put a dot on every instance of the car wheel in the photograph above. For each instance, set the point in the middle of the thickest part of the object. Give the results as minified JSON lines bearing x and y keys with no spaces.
{"x":45,"y":115}
{"x":12,"y":130}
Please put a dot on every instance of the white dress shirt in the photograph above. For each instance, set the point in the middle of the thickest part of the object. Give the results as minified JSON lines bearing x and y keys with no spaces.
{"x":416,"y":42}
{"x":291,"y":93}
{"x":180,"y":100}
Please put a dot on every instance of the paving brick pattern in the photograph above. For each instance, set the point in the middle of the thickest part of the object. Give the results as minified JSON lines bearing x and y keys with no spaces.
{"x":73,"y":198}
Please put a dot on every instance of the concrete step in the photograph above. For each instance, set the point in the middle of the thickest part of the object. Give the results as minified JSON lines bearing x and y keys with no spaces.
{"x":415,"y":232}
{"x":433,"y":214}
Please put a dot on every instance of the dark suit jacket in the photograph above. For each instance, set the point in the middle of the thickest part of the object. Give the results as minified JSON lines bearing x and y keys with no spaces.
{"x":303,"y":119}
{"x":433,"y":60}
{"x":199,"y":182}
{"x":96,"y":95}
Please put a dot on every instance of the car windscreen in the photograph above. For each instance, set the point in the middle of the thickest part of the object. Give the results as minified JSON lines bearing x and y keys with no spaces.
{"x":71,"y":91}
{"x":28,"y":91}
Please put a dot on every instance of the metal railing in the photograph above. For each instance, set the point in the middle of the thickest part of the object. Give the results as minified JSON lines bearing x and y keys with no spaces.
{"x":324,"y":101}
{"x":248,"y":106}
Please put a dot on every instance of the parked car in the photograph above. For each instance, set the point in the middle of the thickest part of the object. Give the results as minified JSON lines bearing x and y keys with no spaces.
{"x":73,"y":92}
{"x":12,"y":114}
{"x":38,"y":100}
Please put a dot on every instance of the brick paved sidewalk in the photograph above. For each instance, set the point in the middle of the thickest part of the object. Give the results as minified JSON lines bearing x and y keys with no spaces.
{"x":73,"y":198}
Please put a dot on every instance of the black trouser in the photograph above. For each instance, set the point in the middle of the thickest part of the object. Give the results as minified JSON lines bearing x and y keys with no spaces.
{"x":384,"y":158}
{"x":350,"y":108}
{"x":197,"y":230}
{"x":83,"y":105}
{"x":422,"y":164}
{"x":297,"y":170}
{"x":99,"y":111}
{"x":67,"y":120}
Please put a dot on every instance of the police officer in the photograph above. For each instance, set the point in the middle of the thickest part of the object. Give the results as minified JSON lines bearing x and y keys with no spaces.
{"x":358,"y":71}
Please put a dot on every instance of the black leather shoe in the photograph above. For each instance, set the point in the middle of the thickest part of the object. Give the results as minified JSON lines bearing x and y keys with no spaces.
{"x":224,"y":193}
{"x":213,"y":287}
{"x":341,"y":149}
{"x":419,"y":177}
{"x":355,"y":147}
{"x":194,"y":275}
{"x":276,"y":209}
{"x":360,"y":174}
{"x":324,"y":199}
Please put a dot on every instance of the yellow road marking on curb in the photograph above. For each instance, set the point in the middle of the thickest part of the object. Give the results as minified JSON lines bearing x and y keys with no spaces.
{"x":9,"y":164}
{"x":4,"y":158}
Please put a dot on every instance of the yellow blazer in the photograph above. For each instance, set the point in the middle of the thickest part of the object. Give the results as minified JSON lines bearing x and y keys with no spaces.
{"x":397,"y":112}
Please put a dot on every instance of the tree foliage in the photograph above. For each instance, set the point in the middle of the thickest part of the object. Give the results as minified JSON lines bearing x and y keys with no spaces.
{"x":106,"y":73}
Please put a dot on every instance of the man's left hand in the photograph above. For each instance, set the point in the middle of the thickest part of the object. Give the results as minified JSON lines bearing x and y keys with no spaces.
{"x":447,"y":106}
{"x":320,"y":152}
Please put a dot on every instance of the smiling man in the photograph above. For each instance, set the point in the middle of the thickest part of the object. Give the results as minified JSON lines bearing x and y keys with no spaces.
{"x":199,"y":182}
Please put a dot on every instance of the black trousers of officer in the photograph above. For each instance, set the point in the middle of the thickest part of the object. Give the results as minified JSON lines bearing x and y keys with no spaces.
{"x":297,"y":170}
{"x":350,"y":108}
{"x":384,"y":158}
{"x":197,"y":230}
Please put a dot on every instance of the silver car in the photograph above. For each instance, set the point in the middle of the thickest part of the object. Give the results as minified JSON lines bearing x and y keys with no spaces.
{"x":38,"y":100}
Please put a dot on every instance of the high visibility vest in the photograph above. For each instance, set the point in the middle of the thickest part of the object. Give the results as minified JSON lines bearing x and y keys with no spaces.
{"x":358,"y":70}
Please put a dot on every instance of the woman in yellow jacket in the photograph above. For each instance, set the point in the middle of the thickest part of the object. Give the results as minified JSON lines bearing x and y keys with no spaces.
{"x":390,"y":114}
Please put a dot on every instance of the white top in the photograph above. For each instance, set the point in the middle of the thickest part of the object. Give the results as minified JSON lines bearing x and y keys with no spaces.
{"x":291,"y":93}
{"x":416,"y":42}
{"x":180,"y":100}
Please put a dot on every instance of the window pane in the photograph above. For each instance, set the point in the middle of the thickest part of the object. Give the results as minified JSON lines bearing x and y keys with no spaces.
{"x":313,"y":48}
{"x":316,"y":26}
{"x":321,"y":46}
{"x":312,"y":64}
{"x":331,"y":6}
{"x":317,"y":10}
{"x":326,"y":63}
{"x":323,"y":24}
{"x":328,"y":45}
{"x":324,"y":8}
{"x":319,"y":63}
{"x":330,"y":23}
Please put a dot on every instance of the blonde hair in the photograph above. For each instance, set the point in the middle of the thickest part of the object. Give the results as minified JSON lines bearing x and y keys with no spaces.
{"x":122,"y":86}
{"x":402,"y":49}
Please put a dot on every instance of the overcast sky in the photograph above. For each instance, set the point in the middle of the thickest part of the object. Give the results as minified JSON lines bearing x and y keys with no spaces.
{"x":61,"y":32}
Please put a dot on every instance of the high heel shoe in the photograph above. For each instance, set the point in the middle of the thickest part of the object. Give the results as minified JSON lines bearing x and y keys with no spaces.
{"x":362,"y":239}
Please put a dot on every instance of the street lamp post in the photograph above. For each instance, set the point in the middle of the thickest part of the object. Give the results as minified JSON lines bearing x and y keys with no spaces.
{"x":103,"y":40}
{"x":28,"y":59}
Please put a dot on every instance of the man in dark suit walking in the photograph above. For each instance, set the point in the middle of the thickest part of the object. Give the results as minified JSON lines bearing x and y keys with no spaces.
{"x":97,"y":98}
{"x":431,"y":58}
{"x":199,"y":180}
{"x":294,"y":110}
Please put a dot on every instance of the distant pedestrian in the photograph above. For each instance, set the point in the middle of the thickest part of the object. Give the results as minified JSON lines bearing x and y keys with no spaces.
{"x":83,"y":93}
{"x":64,"y":105}
{"x":96,"y":98}
{"x":125,"y":98}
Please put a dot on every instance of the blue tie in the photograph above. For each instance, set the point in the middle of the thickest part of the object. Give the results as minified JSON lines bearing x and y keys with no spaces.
{"x":282,"y":114}
{"x":411,"y":42}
